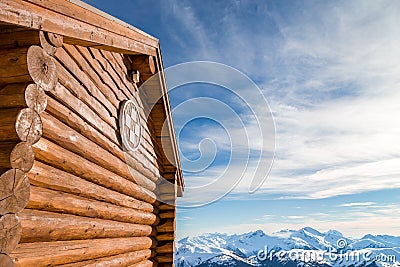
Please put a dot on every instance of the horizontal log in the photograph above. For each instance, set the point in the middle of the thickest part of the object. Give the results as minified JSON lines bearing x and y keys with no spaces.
{"x":80,"y":92}
{"x":64,"y":96}
{"x":125,"y":259}
{"x":170,"y":214}
{"x":119,"y":59}
{"x":161,"y":258}
{"x":86,"y":67}
{"x":116,"y":61}
{"x":49,"y":177}
{"x":105,"y":76}
{"x":13,"y":66}
{"x":14,"y":191}
{"x":62,"y":252}
{"x":85,"y":128}
{"x":23,"y":95}
{"x":6,"y":261}
{"x":10,"y":233}
{"x":27,"y":37}
{"x":168,"y":226}
{"x":54,"y":201}
{"x":42,"y":226}
{"x":167,"y":248}
{"x":71,"y":140}
{"x":54,"y":155}
{"x":17,"y":39}
{"x":20,"y":124}
{"x":166,"y":207}
{"x":119,"y":78}
{"x":17,"y":156}
{"x":146,"y":263}
{"x":84,"y":80}
{"x":165,"y":237}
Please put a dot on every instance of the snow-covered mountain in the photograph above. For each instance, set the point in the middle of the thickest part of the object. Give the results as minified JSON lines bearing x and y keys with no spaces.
{"x":304,"y":247}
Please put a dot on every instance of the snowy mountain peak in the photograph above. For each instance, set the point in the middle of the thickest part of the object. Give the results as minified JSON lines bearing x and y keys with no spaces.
{"x":243,"y":249}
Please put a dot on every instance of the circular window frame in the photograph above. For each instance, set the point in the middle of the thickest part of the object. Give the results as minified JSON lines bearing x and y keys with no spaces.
{"x":126,"y":142}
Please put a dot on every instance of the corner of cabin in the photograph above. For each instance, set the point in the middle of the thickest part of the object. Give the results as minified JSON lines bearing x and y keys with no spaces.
{"x":89,"y":163}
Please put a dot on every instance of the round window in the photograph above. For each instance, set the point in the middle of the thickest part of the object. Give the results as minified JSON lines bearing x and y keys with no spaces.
{"x":130,"y":125}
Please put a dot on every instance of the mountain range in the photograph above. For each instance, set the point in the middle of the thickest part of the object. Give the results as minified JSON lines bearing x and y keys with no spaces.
{"x":306,"y":247}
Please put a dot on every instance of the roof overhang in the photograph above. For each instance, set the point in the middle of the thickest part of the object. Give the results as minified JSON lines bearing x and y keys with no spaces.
{"x":82,"y":24}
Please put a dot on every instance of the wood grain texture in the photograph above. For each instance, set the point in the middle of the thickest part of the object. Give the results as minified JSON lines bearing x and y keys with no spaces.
{"x":20,"y":124}
{"x":92,"y":130}
{"x":72,"y":22}
{"x":18,"y":156}
{"x":71,"y":140}
{"x":6,"y":261}
{"x":161,"y":258}
{"x":46,"y":176}
{"x":64,"y":96}
{"x":10,"y":233}
{"x":42,"y":226}
{"x":54,"y":39}
{"x":125,"y":259}
{"x":146,"y":263}
{"x":167,"y":248}
{"x":49,"y":48}
{"x":17,"y":39}
{"x":79,"y":91}
{"x":167,"y":226}
{"x":14,"y":191}
{"x":165,"y":237}
{"x":87,"y":87}
{"x":63,"y":159}
{"x":13,"y":66}
{"x":54,"y":201}
{"x":110,"y":92}
{"x":144,"y":64}
{"x":41,"y":68}
{"x":28,"y":37}
{"x":23,"y":95}
{"x":40,"y":254}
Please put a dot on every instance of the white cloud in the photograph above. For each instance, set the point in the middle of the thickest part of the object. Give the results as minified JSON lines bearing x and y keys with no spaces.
{"x":357,"y":204}
{"x":334,"y":95}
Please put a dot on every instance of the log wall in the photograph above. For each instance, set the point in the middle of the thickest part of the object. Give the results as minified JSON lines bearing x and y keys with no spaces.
{"x":69,"y":194}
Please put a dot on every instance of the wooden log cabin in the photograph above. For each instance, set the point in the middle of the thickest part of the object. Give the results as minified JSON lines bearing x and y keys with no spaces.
{"x":88,"y":175}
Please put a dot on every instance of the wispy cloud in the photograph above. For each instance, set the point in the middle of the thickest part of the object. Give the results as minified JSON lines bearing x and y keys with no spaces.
{"x":332,"y":76}
{"x":357,"y":204}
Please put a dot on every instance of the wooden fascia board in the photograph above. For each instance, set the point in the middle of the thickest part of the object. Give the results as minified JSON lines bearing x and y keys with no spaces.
{"x":167,"y":108}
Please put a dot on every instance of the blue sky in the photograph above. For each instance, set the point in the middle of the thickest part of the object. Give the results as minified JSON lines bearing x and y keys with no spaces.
{"x":331,"y":74}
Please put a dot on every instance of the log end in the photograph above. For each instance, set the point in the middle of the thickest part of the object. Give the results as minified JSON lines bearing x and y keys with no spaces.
{"x":55,"y":39}
{"x":29,"y":126}
{"x":10,"y":233}
{"x":22,"y":157}
{"x":14,"y":191}
{"x":6,"y":261}
{"x":46,"y":45}
{"x":35,"y":98}
{"x":42,"y":68}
